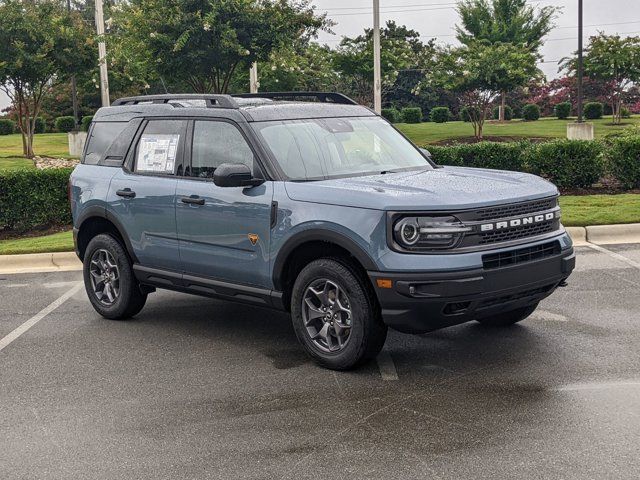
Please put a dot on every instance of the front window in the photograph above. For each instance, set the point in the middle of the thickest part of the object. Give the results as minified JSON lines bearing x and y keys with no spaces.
{"x":320,"y":148}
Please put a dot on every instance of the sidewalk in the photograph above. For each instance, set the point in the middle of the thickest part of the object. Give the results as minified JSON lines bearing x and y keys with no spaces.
{"x":66,"y":261}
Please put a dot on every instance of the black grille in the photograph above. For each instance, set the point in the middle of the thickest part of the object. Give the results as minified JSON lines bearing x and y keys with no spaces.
{"x":516,"y":209}
{"x":516,"y":233}
{"x":520,"y":255}
{"x":536,"y":292}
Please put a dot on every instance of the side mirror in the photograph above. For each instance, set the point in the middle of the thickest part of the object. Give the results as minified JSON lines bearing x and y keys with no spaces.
{"x":426,"y":153}
{"x":234,"y":175}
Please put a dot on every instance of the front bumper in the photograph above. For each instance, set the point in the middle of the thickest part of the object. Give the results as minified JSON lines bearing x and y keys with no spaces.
{"x":422,"y":302}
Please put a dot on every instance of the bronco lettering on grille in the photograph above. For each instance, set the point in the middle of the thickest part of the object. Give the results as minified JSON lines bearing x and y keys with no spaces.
{"x":517,"y":222}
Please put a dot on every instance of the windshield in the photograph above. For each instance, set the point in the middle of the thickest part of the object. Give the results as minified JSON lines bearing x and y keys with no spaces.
{"x":319,"y":148}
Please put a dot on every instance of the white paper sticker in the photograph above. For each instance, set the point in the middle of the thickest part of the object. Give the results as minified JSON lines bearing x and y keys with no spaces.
{"x":157,"y":152}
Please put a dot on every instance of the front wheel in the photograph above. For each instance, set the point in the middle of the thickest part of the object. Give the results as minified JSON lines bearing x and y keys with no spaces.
{"x":335,"y":315}
{"x":109,"y":280}
{"x":511,"y":317}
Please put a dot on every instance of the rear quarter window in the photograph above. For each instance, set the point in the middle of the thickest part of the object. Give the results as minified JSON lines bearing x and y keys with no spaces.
{"x":101,"y":136}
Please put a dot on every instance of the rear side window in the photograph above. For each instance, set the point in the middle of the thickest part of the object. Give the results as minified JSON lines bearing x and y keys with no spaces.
{"x":160,"y":147}
{"x":102,"y":134}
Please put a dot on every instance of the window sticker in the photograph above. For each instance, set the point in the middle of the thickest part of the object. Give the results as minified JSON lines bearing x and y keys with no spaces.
{"x":157,"y":152}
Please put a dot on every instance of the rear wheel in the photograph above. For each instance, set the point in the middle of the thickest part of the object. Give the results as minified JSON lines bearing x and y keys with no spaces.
{"x":335,"y":315}
{"x":109,"y":281}
{"x":511,"y":317}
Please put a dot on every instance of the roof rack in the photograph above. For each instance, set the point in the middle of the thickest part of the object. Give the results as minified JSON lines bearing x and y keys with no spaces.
{"x":324,"y":97}
{"x":211,"y":100}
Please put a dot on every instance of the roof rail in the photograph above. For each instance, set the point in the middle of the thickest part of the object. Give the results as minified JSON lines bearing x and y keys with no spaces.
{"x":211,"y":100}
{"x":325,"y":97}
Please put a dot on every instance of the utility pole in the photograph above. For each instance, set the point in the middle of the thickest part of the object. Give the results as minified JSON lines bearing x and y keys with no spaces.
{"x":102,"y":55}
{"x":580,"y":66}
{"x":377,"y":84}
{"x":74,"y":87}
{"x":253,"y":78}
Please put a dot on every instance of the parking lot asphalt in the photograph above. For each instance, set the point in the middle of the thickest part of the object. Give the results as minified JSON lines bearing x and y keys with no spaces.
{"x":199,"y":388}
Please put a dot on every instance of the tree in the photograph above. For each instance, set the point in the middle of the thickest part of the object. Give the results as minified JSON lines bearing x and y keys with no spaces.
{"x":504,"y":21}
{"x":401,"y":50}
{"x":480,"y":71}
{"x":612,"y":59}
{"x":40,"y":44}
{"x":201,"y":43}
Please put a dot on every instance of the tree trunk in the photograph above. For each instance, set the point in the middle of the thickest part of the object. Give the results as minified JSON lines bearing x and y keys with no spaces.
{"x":503,"y":101}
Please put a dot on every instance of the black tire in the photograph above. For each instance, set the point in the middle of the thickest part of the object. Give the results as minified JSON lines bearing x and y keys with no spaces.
{"x":130,"y":299}
{"x":509,"y":318}
{"x":367,"y":332}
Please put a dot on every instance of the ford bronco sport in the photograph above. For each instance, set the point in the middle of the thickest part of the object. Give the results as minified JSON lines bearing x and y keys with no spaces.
{"x":311,"y":204}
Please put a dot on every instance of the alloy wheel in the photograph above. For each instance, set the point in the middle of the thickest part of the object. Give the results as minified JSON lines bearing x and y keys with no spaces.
{"x":326,"y":313}
{"x":105,"y":277}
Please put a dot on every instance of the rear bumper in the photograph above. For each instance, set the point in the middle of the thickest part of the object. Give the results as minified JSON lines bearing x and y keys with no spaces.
{"x":422,"y":302}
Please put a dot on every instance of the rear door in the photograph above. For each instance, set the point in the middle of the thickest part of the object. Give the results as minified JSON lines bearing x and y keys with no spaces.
{"x":142,"y":196}
{"x":223,"y":231}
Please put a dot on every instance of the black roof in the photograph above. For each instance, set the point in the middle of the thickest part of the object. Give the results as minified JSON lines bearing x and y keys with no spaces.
{"x":252,"y":107}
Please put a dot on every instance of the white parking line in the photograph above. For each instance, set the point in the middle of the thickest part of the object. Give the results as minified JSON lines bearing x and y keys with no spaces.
{"x":615,"y":255}
{"x":5,"y":341}
{"x":386,"y":366}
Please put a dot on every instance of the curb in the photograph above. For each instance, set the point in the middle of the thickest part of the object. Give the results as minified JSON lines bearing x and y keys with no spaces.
{"x":40,"y":262}
{"x":68,"y":261}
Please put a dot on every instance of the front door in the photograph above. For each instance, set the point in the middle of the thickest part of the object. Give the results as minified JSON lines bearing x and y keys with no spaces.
{"x":223,"y":232}
{"x":143,"y":198}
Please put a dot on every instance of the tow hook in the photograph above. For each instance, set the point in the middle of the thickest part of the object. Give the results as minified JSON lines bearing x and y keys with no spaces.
{"x":563,"y":283}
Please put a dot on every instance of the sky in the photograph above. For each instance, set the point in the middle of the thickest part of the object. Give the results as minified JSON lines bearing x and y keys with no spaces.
{"x":437,"y":18}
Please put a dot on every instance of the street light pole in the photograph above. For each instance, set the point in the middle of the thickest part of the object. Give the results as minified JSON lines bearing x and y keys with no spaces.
{"x":102,"y":55}
{"x":253,"y":78}
{"x":377,"y":84}
{"x":580,"y":67}
{"x":74,"y":87}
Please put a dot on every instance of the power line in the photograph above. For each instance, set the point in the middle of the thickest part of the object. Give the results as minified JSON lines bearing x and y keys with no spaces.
{"x":366,"y":8}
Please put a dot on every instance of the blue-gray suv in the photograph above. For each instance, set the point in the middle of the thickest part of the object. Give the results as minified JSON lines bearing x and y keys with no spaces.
{"x":311,"y":204}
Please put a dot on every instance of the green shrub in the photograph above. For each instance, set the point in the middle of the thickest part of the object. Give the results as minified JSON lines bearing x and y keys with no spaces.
{"x":466,"y":112}
{"x":625,"y":112}
{"x":391,"y":114}
{"x":624,"y":160}
{"x":517,"y":112}
{"x":495,"y":155}
{"x":412,"y":114}
{"x":65,"y":124}
{"x":567,"y":163}
{"x":562,"y":110}
{"x":41,"y":126}
{"x":593,"y":110}
{"x":508,"y":112}
{"x":32,"y":199}
{"x":531,"y":112}
{"x":7,"y":127}
{"x":446,"y":155}
{"x":86,"y":122}
{"x":440,"y":114}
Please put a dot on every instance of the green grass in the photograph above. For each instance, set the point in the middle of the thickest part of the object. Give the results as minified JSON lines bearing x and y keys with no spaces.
{"x":45,"y":144}
{"x":428,"y":132}
{"x":57,"y":242}
{"x":580,"y":211}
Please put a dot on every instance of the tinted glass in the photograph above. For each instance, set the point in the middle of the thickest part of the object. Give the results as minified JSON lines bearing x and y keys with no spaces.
{"x":215,"y":143}
{"x":101,"y":136}
{"x":159,"y":147}
{"x":330,"y":147}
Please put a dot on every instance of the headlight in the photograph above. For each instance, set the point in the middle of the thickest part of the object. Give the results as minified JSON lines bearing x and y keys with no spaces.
{"x":427,"y":233}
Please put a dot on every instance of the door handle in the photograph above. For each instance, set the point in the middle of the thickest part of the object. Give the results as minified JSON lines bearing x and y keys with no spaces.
{"x":126,"y":192}
{"x":193,"y":200}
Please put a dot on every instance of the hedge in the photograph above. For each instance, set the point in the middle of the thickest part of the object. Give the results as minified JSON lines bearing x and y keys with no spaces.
{"x":567,"y":163}
{"x":65,"y":124}
{"x":593,"y":110}
{"x":31,"y":199}
{"x":531,"y":112}
{"x":465,"y":113}
{"x":440,"y":114}
{"x":41,"y":126}
{"x":391,"y":114}
{"x":508,"y":113}
{"x":562,"y":110}
{"x":623,"y":154}
{"x":7,"y":127}
{"x":86,"y":121}
{"x":412,"y":114}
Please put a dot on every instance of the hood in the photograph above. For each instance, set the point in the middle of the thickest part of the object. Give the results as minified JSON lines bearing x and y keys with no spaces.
{"x":448,"y":188}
